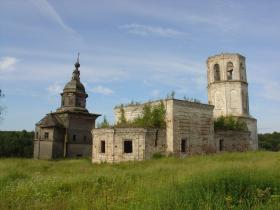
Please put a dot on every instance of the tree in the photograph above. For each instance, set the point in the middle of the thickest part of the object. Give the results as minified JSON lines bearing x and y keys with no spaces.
{"x":16,"y":143}
{"x":270,"y":141}
{"x":152,"y":117}
{"x":104,"y":123}
{"x":171,"y":95}
{"x":122,"y":118}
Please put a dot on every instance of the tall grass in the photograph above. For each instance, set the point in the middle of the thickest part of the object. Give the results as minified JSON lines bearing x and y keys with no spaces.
{"x":223,"y":181}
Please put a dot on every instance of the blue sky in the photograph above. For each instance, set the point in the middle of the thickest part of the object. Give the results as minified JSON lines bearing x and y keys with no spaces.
{"x":133,"y":50}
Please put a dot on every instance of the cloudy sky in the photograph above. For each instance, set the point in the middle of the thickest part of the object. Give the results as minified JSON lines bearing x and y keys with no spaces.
{"x":133,"y":50}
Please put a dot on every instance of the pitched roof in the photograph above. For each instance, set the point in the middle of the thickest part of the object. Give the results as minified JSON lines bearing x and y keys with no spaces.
{"x":50,"y":120}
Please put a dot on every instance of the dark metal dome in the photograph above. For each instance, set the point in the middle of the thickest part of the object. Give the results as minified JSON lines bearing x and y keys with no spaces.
{"x":74,"y":86}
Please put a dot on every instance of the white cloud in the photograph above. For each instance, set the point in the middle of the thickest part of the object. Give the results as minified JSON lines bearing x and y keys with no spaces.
{"x":55,"y":89}
{"x":47,"y":10}
{"x":155,"y":93}
{"x":210,"y":15}
{"x":102,"y":90}
{"x":147,"y":30}
{"x":7,"y":63}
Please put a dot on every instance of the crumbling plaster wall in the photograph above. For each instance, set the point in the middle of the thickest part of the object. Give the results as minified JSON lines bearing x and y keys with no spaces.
{"x":143,"y":144}
{"x":232,"y":140}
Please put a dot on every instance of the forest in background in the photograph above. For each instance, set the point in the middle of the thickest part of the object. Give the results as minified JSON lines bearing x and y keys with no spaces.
{"x":20,"y":143}
{"x":16,"y":144}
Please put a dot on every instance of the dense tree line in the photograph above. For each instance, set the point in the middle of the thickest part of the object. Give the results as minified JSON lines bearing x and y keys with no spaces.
{"x":20,"y":143}
{"x":269,"y":141}
{"x":16,"y":143}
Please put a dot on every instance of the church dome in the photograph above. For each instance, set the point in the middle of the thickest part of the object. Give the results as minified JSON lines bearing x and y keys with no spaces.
{"x":74,"y":86}
{"x":73,"y":97}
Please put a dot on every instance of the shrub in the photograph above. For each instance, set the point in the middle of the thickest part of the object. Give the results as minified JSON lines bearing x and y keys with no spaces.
{"x":158,"y":155}
{"x":152,"y":117}
{"x":104,"y":123}
{"x":230,"y":123}
{"x":270,"y":141}
{"x":16,"y":143}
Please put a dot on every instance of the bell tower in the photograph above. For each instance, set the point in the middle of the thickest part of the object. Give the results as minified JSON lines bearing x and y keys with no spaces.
{"x":227,"y":85}
{"x":228,"y":89}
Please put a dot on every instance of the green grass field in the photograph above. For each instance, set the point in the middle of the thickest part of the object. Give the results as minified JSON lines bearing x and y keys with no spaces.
{"x":223,"y":181}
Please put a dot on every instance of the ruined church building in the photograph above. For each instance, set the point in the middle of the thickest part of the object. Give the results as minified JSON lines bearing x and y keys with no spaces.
{"x":70,"y":130}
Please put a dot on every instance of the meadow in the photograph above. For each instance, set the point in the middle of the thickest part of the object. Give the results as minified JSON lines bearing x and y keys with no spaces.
{"x":222,"y":181}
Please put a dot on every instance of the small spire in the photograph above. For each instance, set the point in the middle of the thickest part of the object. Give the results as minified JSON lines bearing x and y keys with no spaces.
{"x":77,"y":64}
{"x":76,"y":72}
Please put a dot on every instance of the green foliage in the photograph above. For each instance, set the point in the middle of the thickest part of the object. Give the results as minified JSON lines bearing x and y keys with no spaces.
{"x":153,"y":117}
{"x":122,"y":119}
{"x":230,"y":123}
{"x":16,"y":143}
{"x":171,"y":95}
{"x":104,"y":123}
{"x":132,"y":103}
{"x":194,"y":100}
{"x":269,"y":141}
{"x":222,"y":181}
{"x":158,"y":155}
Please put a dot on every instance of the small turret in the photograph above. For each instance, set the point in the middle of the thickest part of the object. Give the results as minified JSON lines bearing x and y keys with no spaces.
{"x":73,"y":97}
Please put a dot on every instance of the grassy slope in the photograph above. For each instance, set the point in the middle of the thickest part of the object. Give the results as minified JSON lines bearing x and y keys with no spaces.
{"x":226,"y":181}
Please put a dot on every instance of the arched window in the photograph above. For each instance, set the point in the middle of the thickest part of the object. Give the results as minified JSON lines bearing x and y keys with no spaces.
{"x":217,"y":72}
{"x":229,"y":70}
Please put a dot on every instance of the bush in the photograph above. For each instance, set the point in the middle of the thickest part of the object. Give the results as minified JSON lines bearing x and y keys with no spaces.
{"x":104,"y":123}
{"x":153,"y":117}
{"x":16,"y":143}
{"x":230,"y":123}
{"x":158,"y":155}
{"x":270,"y":141}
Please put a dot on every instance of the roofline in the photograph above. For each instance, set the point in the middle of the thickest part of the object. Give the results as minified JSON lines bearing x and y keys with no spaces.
{"x":225,"y":54}
{"x":77,"y":112}
{"x":171,"y":99}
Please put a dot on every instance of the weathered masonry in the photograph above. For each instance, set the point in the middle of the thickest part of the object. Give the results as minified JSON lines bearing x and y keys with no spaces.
{"x":189,"y":121}
{"x":228,"y":90}
{"x":189,"y":130}
{"x":66,"y":132}
{"x":189,"y":126}
{"x":126,"y":144}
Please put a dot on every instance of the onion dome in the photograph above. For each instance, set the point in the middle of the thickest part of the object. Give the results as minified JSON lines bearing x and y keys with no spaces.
{"x":75,"y":85}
